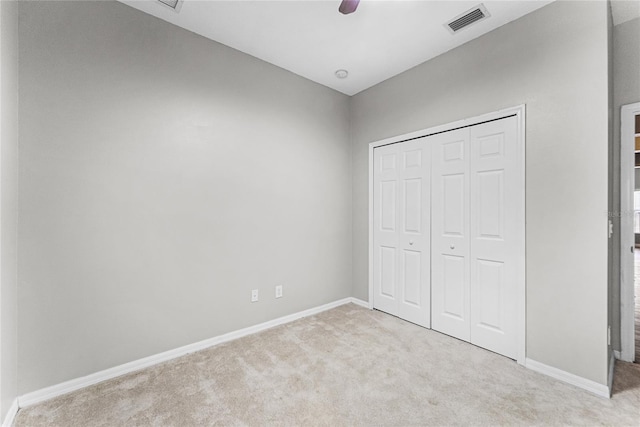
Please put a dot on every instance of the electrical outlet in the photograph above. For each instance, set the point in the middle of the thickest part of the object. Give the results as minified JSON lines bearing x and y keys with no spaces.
{"x":254,"y":295}
{"x":279,"y":291}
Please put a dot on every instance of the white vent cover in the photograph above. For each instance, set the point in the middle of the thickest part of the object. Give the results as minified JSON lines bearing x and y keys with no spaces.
{"x":471,"y":16}
{"x":173,"y":4}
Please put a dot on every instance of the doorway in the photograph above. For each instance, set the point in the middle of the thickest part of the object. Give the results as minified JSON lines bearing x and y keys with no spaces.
{"x":630,"y":233}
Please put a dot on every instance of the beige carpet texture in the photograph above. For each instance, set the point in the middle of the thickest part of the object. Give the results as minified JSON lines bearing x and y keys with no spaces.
{"x":343,"y":367}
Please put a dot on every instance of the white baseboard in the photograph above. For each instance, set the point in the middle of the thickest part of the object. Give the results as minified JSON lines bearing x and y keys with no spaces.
{"x":567,"y":377}
{"x":361,"y":303}
{"x":107,"y":374}
{"x":11,"y":414}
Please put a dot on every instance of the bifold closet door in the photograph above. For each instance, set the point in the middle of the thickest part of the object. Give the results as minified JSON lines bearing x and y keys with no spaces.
{"x":450,"y":233}
{"x":401,"y":237}
{"x":495,"y":190}
{"x":475,"y":224}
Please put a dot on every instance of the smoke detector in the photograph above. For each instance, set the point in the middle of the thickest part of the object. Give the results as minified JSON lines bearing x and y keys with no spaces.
{"x":471,"y":16}
{"x":342,"y":74}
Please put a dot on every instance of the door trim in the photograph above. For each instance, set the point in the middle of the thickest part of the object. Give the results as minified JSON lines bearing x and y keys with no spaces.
{"x":627,"y":179}
{"x":517,"y":111}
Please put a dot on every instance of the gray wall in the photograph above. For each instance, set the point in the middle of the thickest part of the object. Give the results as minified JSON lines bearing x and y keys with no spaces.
{"x":626,"y":90}
{"x":162,"y":177}
{"x":554,"y":61}
{"x":8,"y":203}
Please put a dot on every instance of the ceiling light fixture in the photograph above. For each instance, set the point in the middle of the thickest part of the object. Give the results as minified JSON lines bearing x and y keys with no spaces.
{"x":342,"y":74}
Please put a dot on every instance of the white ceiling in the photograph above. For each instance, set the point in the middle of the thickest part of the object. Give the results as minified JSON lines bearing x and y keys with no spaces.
{"x":312,"y":39}
{"x":624,"y":10}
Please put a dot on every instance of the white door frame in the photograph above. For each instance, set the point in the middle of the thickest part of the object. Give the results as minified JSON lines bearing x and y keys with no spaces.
{"x":627,"y":237}
{"x":519,"y":113}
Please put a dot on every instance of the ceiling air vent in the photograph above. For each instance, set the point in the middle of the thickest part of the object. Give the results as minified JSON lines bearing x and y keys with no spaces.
{"x":469,"y":17}
{"x":173,"y":4}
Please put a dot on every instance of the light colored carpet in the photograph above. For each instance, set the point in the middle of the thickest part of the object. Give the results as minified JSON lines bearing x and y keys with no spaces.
{"x":346,"y":366}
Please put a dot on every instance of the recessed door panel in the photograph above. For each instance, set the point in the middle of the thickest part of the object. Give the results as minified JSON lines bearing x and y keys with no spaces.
{"x":412,"y":277}
{"x":412,"y":158}
{"x":454,"y":286}
{"x":453,"y":150}
{"x":388,"y":162}
{"x":388,"y":205}
{"x":489,"y":215}
{"x":413,"y":205}
{"x":490,"y":146}
{"x":388,"y":271}
{"x":490,"y":282}
{"x":453,"y":206}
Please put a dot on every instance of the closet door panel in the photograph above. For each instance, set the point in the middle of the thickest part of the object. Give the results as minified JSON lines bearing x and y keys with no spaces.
{"x":386,"y":162}
{"x":450,"y":233}
{"x":414,"y":302}
{"x":401,"y":231}
{"x":494,"y":222}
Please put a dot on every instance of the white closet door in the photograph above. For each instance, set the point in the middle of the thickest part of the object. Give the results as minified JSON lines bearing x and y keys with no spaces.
{"x":414,"y":303}
{"x":385,"y":226}
{"x":450,"y":233}
{"x":402,"y":231}
{"x":495,"y":189}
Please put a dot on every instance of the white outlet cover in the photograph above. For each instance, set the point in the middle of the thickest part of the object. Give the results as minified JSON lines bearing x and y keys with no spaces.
{"x":254,"y":295}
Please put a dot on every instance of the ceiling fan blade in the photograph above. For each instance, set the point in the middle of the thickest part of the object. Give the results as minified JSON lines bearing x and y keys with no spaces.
{"x":348,"y":6}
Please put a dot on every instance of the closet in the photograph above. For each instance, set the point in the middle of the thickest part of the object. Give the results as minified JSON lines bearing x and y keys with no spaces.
{"x":448,"y":231}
